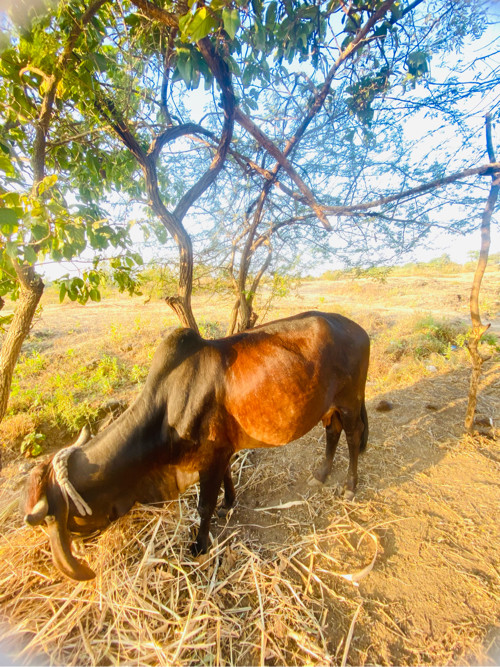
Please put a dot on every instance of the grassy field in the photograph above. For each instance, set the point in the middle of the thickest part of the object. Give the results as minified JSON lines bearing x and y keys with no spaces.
{"x":408,"y":573}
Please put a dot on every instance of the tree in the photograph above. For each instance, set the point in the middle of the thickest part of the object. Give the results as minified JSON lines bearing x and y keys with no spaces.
{"x":478,"y":328}
{"x":34,"y":217}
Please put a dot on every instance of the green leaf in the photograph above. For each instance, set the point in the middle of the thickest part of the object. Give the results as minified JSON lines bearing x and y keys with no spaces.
{"x":100,"y":61}
{"x":271,"y":15}
{"x":7,"y":166}
{"x":30,"y":255}
{"x":9,"y":217}
{"x":260,"y":35}
{"x":184,"y":66}
{"x":396,"y":11}
{"x":418,"y":63}
{"x":37,"y":449}
{"x":231,"y":19}
{"x":201,"y":25}
{"x":11,"y":249}
{"x":62,"y":292}
{"x":95,"y":295}
{"x":39,"y":231}
{"x":184,"y":22}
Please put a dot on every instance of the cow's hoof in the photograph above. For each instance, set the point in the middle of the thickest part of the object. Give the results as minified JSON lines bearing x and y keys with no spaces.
{"x":348,"y":494}
{"x":222,"y":512}
{"x":197,"y":550}
{"x":314,"y":482}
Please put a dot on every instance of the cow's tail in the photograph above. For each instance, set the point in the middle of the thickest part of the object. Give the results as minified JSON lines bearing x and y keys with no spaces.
{"x":364,"y":419}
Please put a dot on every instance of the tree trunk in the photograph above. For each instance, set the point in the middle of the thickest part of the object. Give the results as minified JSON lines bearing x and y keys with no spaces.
{"x":246,"y":312}
{"x":29,"y":298}
{"x":181,"y":302}
{"x":478,"y":328}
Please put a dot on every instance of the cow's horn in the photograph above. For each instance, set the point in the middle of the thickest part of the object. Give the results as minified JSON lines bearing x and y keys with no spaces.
{"x":38,"y":512}
{"x":60,"y":543}
{"x":83,"y":437}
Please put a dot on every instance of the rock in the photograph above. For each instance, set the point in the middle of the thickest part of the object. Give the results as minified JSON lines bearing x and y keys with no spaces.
{"x":431,"y":369}
{"x":384,"y":406}
{"x":431,"y":406}
{"x":483,"y":421}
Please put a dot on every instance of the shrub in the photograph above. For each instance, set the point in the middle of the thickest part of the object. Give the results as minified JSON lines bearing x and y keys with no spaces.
{"x":428,"y":336}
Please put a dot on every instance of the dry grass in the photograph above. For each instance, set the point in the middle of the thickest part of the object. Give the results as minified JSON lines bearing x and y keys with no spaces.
{"x":152,"y":604}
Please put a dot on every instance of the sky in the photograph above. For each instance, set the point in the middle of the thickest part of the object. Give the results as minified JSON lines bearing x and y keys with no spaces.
{"x":457,"y":247}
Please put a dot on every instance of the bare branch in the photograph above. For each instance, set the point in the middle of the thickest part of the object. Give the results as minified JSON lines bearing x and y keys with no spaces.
{"x":248,"y":124}
{"x":221,"y":71}
{"x":484,"y":170}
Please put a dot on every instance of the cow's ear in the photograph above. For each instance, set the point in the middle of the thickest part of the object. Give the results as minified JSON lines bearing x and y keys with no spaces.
{"x":34,"y":502}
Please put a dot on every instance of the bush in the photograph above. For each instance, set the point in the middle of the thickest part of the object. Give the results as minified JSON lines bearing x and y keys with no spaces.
{"x":427,"y":337}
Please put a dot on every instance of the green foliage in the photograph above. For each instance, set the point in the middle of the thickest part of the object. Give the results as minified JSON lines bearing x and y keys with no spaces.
{"x":32,"y":444}
{"x":437,"y":266}
{"x":429,"y":336}
{"x":282,"y":285}
{"x":491,"y":339}
{"x":418,"y":64}
{"x":31,"y":365}
{"x":211,"y":329}
{"x":66,"y":400}
{"x":5,"y":321}
{"x":378,"y":273}
{"x":363,"y":93}
{"x":123,"y":271}
{"x":138,"y":373}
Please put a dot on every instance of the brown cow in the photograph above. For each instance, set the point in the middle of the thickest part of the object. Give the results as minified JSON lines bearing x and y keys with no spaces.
{"x":203,"y":401}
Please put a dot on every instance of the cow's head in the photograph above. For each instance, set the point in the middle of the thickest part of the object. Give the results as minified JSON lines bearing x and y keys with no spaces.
{"x":46,"y":503}
{"x":51,"y":500}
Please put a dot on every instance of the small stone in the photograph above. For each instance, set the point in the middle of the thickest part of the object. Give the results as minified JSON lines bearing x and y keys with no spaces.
{"x":384,"y":406}
{"x":431,"y":369}
{"x":483,"y":421}
{"x":431,"y":406}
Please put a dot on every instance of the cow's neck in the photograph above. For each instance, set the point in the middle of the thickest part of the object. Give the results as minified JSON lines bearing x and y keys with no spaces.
{"x":127,"y":449}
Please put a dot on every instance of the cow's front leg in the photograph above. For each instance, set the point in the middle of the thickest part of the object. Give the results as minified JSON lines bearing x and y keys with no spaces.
{"x":210,"y":483}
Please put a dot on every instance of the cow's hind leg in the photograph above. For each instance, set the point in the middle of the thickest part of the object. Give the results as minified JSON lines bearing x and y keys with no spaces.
{"x":354,"y":428}
{"x":210,"y":482}
{"x":333,"y":429}
{"x":229,"y":493}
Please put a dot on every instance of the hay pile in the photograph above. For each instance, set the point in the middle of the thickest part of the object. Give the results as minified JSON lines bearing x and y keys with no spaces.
{"x":151,"y":603}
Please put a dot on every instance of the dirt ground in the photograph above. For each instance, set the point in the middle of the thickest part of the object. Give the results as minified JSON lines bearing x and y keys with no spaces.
{"x":432,"y":499}
{"x":407,"y":573}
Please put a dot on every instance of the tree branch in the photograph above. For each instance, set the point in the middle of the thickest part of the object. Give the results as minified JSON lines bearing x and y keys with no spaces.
{"x":172,"y":133}
{"x":248,"y":124}
{"x":484,"y":170}
{"x":222,"y":74}
{"x":157,"y":13}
